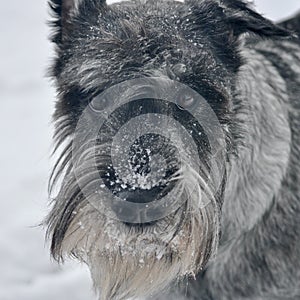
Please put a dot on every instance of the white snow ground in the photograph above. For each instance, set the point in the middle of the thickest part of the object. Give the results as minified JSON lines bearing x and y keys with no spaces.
{"x":26,"y":97}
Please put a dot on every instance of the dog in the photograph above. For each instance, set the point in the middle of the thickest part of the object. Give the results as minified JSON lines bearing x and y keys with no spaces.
{"x":178,"y":129}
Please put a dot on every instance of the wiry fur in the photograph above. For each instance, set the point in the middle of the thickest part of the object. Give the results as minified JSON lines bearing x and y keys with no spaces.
{"x":132,"y":256}
{"x":253,"y":85}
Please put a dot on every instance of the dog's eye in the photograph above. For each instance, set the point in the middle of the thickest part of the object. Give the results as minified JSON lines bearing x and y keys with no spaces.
{"x":186,"y":101}
{"x":99,"y":103}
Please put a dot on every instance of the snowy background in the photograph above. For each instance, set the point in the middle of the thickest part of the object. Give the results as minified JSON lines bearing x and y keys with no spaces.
{"x":26,"y":97}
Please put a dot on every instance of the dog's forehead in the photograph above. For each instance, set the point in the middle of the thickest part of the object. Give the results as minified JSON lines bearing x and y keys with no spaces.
{"x":166,"y":23}
{"x":130,"y":38}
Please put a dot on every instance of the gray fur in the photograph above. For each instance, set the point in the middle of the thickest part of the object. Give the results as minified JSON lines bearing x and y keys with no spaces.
{"x":244,"y":244}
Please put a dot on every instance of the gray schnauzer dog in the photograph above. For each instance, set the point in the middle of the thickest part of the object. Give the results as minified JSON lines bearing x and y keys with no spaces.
{"x":178,"y":175}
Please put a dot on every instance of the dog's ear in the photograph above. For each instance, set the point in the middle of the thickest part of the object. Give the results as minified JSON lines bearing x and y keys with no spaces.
{"x":242,"y":18}
{"x":224,"y":21}
{"x":64,"y":11}
{"x":233,"y":17}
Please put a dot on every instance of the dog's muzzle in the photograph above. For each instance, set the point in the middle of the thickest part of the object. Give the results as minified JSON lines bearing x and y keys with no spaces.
{"x":135,"y":150}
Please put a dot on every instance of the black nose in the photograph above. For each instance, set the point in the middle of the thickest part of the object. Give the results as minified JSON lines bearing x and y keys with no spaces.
{"x":153,"y":163}
{"x":153,"y":158}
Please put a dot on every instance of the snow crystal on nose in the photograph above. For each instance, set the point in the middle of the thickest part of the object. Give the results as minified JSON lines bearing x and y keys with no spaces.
{"x":156,"y":172}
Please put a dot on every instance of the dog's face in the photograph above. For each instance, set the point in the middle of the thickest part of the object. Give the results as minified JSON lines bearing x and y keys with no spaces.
{"x":146,"y":118}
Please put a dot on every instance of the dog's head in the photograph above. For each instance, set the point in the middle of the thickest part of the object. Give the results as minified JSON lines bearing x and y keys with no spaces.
{"x":145,"y":117}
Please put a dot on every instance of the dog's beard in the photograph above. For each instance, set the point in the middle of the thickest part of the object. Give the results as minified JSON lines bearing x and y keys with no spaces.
{"x":134,"y":261}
